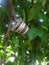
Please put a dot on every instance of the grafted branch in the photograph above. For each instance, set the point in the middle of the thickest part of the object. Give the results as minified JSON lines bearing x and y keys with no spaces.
{"x":9,"y":28}
{"x":11,"y":8}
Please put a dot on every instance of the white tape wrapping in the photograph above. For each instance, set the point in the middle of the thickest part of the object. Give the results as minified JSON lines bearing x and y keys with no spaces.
{"x":20,"y":26}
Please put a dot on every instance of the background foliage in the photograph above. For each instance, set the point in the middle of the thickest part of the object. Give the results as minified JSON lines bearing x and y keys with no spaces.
{"x":26,"y":50}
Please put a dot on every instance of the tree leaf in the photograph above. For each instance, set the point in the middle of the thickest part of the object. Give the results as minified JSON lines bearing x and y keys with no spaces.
{"x":33,"y":32}
{"x":23,"y":49}
{"x":43,"y":2}
{"x":9,"y":63}
{"x":34,"y":11}
{"x":44,"y":38}
{"x":22,"y":63}
{"x":16,"y":41}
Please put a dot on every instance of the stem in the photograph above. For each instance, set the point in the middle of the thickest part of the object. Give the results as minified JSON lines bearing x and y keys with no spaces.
{"x":5,"y":47}
{"x":11,"y":8}
{"x":9,"y":28}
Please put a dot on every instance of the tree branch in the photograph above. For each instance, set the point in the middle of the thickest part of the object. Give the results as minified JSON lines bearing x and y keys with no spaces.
{"x":8,"y":31}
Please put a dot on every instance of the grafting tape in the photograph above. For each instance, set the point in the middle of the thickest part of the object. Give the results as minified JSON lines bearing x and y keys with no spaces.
{"x":19,"y":26}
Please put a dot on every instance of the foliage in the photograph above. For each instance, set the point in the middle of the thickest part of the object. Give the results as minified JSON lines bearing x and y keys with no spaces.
{"x":35,"y":46}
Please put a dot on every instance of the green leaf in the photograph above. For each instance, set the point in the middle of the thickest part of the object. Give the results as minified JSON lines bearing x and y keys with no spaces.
{"x":43,"y":2}
{"x":48,"y":6}
{"x":35,"y":1}
{"x":22,"y":63}
{"x":1,"y":53}
{"x":16,"y":41}
{"x":23,"y":49}
{"x":33,"y":32}
{"x":9,"y":63}
{"x":44,"y":38}
{"x":34,"y":11}
{"x":42,"y":16}
{"x":29,"y":45}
